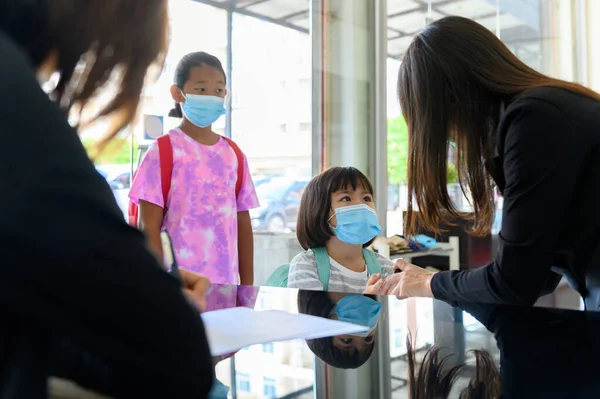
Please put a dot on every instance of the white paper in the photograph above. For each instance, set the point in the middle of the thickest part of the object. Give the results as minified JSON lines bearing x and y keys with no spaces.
{"x":229,"y":330}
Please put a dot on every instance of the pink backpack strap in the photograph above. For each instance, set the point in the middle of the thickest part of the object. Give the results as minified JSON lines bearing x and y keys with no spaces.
{"x":240,"y":159}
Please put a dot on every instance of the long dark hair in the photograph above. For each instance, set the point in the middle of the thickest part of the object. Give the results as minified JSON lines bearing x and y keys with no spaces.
{"x":452,"y":82}
{"x":182,"y":72}
{"x":434,"y":379}
{"x":96,"y":43}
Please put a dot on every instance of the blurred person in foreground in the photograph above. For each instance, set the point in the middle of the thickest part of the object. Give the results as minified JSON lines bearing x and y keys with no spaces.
{"x":71,"y":266}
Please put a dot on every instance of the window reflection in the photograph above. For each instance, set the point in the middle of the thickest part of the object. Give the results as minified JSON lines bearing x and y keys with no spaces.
{"x":274,"y":369}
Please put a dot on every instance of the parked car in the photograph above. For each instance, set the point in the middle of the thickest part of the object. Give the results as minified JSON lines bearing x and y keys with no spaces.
{"x":117,"y":176}
{"x":259,"y":180}
{"x":279,"y":203}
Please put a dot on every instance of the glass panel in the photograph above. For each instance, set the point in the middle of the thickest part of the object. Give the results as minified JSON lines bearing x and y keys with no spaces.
{"x":395,"y":7}
{"x":258,"y":374}
{"x":469,"y":8}
{"x":404,"y":19}
{"x":539,"y":32}
{"x":278,"y":9}
{"x":592,"y":47}
{"x":530,"y":340}
{"x":271,"y":120}
{"x":270,"y":96}
{"x":117,"y":163}
{"x":272,"y":370}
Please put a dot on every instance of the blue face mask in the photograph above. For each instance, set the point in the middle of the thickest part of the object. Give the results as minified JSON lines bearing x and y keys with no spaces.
{"x":218,"y":390}
{"x":358,"y":309}
{"x":356,"y":224}
{"x":203,"y":111}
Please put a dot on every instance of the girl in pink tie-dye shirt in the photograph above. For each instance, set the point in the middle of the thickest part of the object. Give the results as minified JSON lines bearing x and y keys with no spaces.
{"x":208,"y":223}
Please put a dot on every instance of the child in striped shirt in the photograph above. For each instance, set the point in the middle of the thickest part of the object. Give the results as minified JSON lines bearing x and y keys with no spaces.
{"x":336,"y":222}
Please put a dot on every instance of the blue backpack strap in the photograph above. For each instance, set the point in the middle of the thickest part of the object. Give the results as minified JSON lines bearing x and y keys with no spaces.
{"x":279,"y":277}
{"x":323,"y":266}
{"x":373,"y":265}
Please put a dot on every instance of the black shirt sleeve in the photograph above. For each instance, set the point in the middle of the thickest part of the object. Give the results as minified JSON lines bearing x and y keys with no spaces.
{"x":72,"y":264}
{"x":541,"y":162}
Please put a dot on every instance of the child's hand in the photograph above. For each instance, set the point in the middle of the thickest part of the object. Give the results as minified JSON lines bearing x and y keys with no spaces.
{"x":376,"y":285}
{"x":195,"y":287}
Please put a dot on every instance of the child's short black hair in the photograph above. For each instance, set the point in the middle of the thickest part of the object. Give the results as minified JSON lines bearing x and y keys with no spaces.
{"x":312,"y":228}
{"x":318,"y":303}
{"x":182,"y":73}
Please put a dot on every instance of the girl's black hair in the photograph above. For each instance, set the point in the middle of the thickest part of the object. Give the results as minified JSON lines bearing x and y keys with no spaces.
{"x":318,"y":303}
{"x":182,"y":73}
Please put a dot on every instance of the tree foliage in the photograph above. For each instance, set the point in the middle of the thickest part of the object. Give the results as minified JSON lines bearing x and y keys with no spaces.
{"x":116,"y":152}
{"x":397,"y":150}
{"x":397,"y":153}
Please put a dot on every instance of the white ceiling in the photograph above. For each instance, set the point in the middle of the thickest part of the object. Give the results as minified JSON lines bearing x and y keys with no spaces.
{"x":405,"y":17}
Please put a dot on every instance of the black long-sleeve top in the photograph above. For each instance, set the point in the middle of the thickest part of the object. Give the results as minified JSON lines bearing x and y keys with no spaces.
{"x":544,"y":353}
{"x":70,"y":265}
{"x":549,"y":152}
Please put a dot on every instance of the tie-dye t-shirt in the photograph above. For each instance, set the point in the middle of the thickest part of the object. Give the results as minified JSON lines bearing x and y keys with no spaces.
{"x":201,"y":206}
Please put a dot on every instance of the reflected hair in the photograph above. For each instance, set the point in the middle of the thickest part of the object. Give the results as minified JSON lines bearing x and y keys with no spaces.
{"x":454,"y":78}
{"x":434,"y":379}
{"x":318,"y":303}
{"x":88,"y":39}
{"x":312,"y":227}
{"x":182,"y":73}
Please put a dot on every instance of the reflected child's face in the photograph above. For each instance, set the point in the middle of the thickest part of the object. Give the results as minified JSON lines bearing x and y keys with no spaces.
{"x":348,"y":197}
{"x":351,"y":343}
{"x":354,"y":343}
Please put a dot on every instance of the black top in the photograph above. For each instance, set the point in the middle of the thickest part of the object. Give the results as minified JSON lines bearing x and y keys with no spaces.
{"x":549,"y":152}
{"x":70,"y":265}
{"x":544,"y":353}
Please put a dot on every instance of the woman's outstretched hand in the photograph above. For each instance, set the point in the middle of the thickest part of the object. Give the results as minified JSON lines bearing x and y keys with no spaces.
{"x":412,"y":281}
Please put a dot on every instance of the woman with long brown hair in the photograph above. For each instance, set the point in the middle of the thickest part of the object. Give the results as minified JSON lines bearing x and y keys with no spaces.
{"x":71,"y":266}
{"x":535,"y":138}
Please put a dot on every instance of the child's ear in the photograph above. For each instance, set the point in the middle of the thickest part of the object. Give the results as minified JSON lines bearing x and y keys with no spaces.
{"x":177,"y":95}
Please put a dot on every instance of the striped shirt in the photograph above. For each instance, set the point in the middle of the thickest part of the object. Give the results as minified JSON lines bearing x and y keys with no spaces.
{"x":303,"y":274}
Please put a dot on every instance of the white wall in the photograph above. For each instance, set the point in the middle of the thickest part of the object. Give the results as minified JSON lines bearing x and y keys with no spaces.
{"x":593,"y":42}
